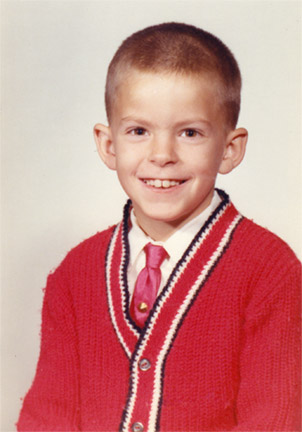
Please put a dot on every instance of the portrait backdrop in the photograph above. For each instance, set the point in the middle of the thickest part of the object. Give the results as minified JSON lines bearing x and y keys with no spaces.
{"x":55,"y":190}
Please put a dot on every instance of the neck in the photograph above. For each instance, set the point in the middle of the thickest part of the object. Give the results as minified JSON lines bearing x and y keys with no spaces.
{"x":159,"y":230}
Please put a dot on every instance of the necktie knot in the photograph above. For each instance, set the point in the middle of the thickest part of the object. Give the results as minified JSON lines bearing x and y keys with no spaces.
{"x":155,"y":255}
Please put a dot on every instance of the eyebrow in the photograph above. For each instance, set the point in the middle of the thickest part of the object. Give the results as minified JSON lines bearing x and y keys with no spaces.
{"x":193,"y":121}
{"x":182,"y":123}
{"x":134,"y":119}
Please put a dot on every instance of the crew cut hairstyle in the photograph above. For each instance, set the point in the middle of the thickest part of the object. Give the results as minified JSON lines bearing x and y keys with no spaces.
{"x":183,"y":49}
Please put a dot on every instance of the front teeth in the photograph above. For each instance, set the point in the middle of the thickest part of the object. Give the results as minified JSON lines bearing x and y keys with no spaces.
{"x":162,"y":183}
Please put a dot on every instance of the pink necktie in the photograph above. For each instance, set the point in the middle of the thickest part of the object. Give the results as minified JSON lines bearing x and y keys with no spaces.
{"x":147,"y":284}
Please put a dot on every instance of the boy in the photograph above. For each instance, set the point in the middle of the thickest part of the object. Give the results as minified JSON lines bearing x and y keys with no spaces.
{"x":183,"y":317}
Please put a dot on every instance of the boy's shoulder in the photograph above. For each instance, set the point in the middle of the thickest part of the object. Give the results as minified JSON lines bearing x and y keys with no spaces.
{"x":261,"y":235}
{"x":250,"y":238}
{"x":98,"y":240}
{"x":87,"y":251}
{"x":257,"y":243}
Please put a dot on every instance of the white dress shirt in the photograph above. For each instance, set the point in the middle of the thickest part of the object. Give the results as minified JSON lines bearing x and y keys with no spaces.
{"x":175,"y":245}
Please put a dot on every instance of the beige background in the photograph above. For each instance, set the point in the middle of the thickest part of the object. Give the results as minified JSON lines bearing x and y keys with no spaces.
{"x":55,"y":190}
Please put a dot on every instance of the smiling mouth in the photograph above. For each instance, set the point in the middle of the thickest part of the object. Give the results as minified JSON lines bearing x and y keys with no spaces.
{"x":163,"y":184}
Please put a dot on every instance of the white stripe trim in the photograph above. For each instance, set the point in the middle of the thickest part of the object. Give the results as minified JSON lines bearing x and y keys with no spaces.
{"x":132,"y":400}
{"x":181,"y":311}
{"x":108,"y":284}
{"x":124,"y":288}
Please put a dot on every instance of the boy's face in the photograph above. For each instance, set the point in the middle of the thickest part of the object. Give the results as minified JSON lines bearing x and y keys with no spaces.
{"x":167,"y":141}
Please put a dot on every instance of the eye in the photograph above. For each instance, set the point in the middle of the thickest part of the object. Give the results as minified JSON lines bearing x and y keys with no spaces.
{"x":190,"y":133}
{"x":138,"y":131}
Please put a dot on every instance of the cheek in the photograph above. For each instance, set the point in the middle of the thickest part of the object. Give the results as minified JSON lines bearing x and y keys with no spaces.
{"x":206,"y":168}
{"x":129,"y":157}
{"x":215,"y":157}
{"x":205,"y":163}
{"x":126,"y":164}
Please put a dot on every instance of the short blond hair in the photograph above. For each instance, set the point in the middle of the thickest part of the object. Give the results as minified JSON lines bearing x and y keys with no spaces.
{"x":178,"y":48}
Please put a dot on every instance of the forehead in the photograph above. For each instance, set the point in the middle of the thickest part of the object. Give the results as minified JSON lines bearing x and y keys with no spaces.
{"x":158,"y":92}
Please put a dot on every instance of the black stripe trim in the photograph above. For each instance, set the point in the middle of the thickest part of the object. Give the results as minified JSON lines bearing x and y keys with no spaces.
{"x":125,"y":243}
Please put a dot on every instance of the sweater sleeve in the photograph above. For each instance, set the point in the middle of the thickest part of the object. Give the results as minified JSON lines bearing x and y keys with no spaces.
{"x":52,"y":403}
{"x":268,"y":397}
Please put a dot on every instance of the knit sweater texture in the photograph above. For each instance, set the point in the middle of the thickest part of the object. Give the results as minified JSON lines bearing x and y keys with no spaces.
{"x":221,"y":342}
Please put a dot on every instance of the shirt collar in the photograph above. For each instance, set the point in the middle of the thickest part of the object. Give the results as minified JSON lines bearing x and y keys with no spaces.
{"x":178,"y":242}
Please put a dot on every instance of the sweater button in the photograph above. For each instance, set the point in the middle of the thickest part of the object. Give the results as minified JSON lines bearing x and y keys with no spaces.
{"x":144,"y":364}
{"x":137,"y":427}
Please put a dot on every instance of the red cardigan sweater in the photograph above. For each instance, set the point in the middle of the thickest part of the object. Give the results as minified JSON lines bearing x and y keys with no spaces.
{"x":221,"y":342}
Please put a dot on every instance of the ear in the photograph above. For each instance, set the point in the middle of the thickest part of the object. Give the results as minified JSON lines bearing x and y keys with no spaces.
{"x":104,"y":143}
{"x":234,"y":150}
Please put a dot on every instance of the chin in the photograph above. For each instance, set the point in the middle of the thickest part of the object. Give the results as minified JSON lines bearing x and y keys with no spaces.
{"x":166,"y":216}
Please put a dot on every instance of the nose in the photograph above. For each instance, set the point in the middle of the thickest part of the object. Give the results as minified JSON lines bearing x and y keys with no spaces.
{"x":162,"y":150}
